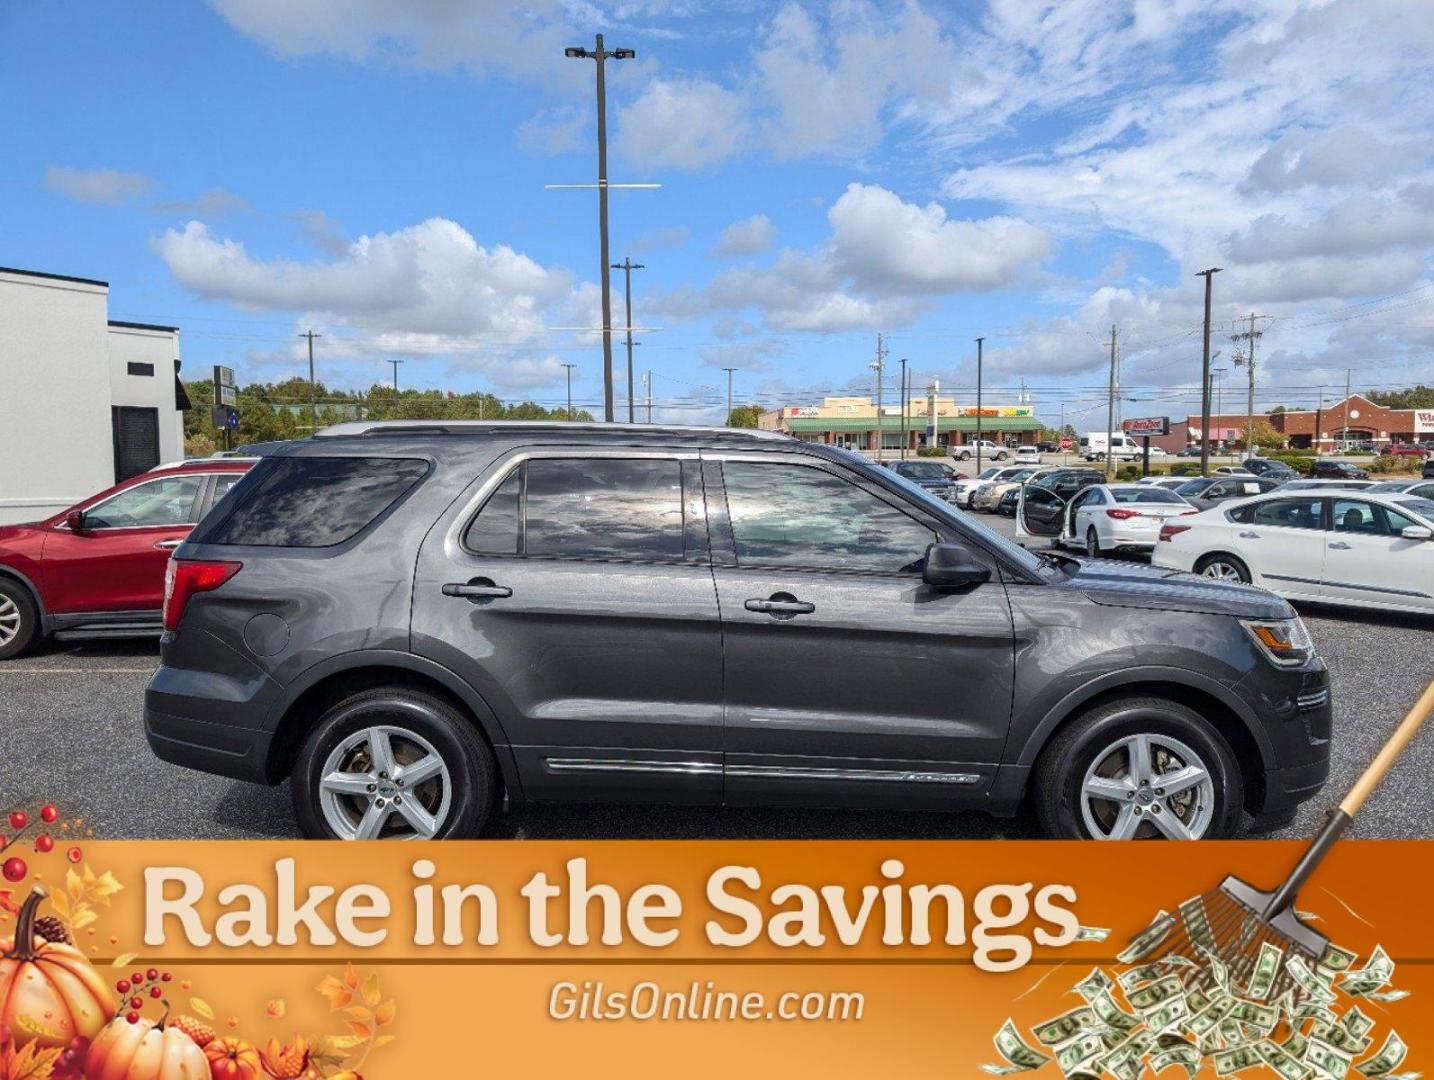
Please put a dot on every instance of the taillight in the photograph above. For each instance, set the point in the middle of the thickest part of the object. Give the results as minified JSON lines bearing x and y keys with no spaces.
{"x":185,"y":577}
{"x":1169,"y":532}
{"x":1121,"y":514}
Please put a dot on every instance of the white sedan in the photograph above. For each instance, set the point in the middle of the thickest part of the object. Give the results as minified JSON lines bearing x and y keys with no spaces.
{"x":1102,"y":518}
{"x":1356,"y":548}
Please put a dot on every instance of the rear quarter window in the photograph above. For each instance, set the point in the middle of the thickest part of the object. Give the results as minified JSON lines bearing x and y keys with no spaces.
{"x":308,"y":502}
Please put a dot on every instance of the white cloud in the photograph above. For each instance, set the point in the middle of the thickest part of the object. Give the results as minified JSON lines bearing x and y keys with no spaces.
{"x":108,"y":187}
{"x":750,"y":236}
{"x":216,"y":202}
{"x":1331,"y":158}
{"x":552,"y":131}
{"x":682,"y":123}
{"x":1355,"y":225}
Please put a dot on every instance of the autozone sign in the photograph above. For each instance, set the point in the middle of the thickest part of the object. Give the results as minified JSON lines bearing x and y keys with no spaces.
{"x":1147,"y":426}
{"x":1423,"y":420}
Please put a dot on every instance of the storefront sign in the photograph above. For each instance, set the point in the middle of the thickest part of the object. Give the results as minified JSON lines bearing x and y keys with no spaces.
{"x":1146,"y":427}
{"x":1424,"y":420}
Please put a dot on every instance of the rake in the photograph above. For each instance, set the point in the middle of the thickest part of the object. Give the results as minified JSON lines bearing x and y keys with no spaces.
{"x":1233,"y":922}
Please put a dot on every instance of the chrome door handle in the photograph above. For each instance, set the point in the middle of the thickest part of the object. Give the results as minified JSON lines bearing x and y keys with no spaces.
{"x":1339,"y":545}
{"x":781,"y":604}
{"x":168,"y":545}
{"x":477,"y":589}
{"x":1248,"y":535}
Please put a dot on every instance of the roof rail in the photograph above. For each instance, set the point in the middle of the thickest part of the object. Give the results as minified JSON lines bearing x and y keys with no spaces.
{"x":472,"y":427}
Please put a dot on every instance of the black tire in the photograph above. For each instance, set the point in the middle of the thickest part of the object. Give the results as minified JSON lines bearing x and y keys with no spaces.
{"x":1060,"y":770}
{"x":451,"y":734}
{"x":965,"y":455}
{"x":20,"y":618}
{"x":1220,"y":559}
{"x":1092,"y":543}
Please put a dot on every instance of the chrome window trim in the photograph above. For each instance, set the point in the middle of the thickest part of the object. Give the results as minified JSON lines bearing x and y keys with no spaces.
{"x":628,"y":765}
{"x":805,"y":772}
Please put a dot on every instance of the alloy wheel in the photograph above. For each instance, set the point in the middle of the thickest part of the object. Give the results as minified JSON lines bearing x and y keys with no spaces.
{"x":1092,"y":543}
{"x":1222,"y":571}
{"x":385,"y":782}
{"x":1148,"y":786}
{"x":9,"y":620}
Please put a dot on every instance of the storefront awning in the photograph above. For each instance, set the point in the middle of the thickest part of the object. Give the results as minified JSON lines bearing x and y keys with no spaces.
{"x":859,"y":424}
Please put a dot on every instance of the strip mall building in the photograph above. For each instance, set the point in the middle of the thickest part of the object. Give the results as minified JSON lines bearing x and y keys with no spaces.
{"x":852,"y":422}
{"x":1356,"y":419}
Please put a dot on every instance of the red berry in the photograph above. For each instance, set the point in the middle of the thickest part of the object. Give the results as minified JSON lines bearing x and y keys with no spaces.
{"x":137,"y":978}
{"x":136,"y":1003}
{"x":122,"y":986}
{"x":48,"y":813}
{"x":44,"y":843}
{"x":132,"y":1017}
{"x":155,"y":991}
{"x":74,"y":854}
{"x":18,"y":820}
{"x":152,"y":974}
{"x":165,"y":977}
{"x":14,"y":868}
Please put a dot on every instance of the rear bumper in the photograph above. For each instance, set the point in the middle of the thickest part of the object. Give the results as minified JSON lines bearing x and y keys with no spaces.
{"x":212,"y":748}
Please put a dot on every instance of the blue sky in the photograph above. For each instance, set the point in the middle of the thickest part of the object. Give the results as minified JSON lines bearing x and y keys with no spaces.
{"x":1033,"y":173}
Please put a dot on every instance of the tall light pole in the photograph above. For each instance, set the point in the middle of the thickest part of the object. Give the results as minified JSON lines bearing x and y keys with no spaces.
{"x":627,"y":266}
{"x":395,"y":364}
{"x":905,"y":398}
{"x":601,"y":56}
{"x":1209,"y":276}
{"x":313,"y":388}
{"x":879,"y":366}
{"x":1110,"y":410}
{"x":729,"y":371}
{"x":980,"y":354}
{"x":569,"y":372}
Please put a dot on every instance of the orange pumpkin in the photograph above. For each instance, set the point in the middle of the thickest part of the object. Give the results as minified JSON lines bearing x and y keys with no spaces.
{"x":144,"y":1051}
{"x":232,"y":1058}
{"x":49,"y":994}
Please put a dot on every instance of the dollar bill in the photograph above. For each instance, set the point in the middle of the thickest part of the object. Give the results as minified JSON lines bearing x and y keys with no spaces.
{"x":1151,"y":996}
{"x":1236,"y":1058}
{"x":1375,"y":975}
{"x":1282,"y":1061}
{"x":1112,"y":1015}
{"x":1065,"y":1027}
{"x":1387,"y":995}
{"x":1020,"y":1056}
{"x":1257,"y":1015}
{"x":1296,"y":1043}
{"x":1267,"y":966}
{"x":1092,"y":933}
{"x":1355,"y":1022}
{"x":1185,"y":1056}
{"x":1219,"y":973}
{"x":1168,"y":1015}
{"x":1149,"y":939}
{"x":1094,"y":984}
{"x":1197,"y":923}
{"x":1340,"y":1037}
{"x":1208,"y":1019}
{"x":1142,"y":973}
{"x":1197,"y":998}
{"x":1313,"y":986}
{"x":1329,"y":1060}
{"x":1391,"y":1055}
{"x":1336,"y":959}
{"x":1079,"y":1052}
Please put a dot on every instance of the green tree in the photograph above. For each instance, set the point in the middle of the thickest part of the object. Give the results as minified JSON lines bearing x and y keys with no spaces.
{"x":1411,"y":397}
{"x":744,"y":416}
{"x":1266,"y":437}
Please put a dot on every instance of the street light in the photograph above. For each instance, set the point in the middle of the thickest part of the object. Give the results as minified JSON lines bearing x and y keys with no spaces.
{"x":880,"y":368}
{"x":601,"y":56}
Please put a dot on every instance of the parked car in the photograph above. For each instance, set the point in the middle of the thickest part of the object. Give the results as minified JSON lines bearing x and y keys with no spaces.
{"x":1324,"y":469}
{"x":1275,"y":470}
{"x":1009,"y":498}
{"x":1405,"y":450}
{"x":1204,"y":492}
{"x":1232,"y":470}
{"x":1048,"y":447}
{"x":417,"y":626}
{"x":1327,"y":485}
{"x":989,"y":451}
{"x":1424,"y":489}
{"x":1354,"y":548}
{"x":97,"y":569}
{"x":1428,"y":471}
{"x":1189,"y":451}
{"x":1102,"y":518}
{"x":1169,"y":483}
{"x":935,"y":476}
{"x":987,"y":497}
{"x":1027,"y":455}
{"x":961,"y":490}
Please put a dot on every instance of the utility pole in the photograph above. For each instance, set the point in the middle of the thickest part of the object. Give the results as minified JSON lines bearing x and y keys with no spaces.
{"x":879,"y":366}
{"x":1208,"y":275}
{"x":569,"y":371}
{"x":601,"y":56}
{"x":647,"y":383}
{"x":627,"y":266}
{"x":905,"y":397}
{"x":980,"y":355}
{"x":729,"y":371}
{"x":313,"y":390}
{"x":395,"y":364}
{"x":1249,"y":336}
{"x":1319,"y":422}
{"x":1110,"y":410}
{"x":1344,"y":442}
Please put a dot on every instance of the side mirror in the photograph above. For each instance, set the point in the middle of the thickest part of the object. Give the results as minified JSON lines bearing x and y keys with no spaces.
{"x":950,"y":566}
{"x":1417,"y":532}
{"x":75,"y":519}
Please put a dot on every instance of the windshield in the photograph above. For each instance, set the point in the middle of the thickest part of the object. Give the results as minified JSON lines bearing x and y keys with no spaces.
{"x":987,"y":474}
{"x":1423,"y":507}
{"x":1194,"y":487}
{"x":922,"y":470}
{"x":1023,"y":474}
{"x":1395,"y":487}
{"x":1145,"y":495}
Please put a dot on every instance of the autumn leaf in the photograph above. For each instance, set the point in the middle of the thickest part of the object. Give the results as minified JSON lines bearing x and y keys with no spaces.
{"x":384,"y":1014}
{"x":123,"y":959}
{"x":371,"y":993}
{"x":363,"y":1031}
{"x":202,"y":1007}
{"x":383,"y":1040}
{"x":74,"y":885}
{"x":351,"y":979}
{"x":343,"y":1042}
{"x":32,"y":1062}
{"x":359,"y":1013}
{"x":337,"y":993}
{"x":7,"y":902}
{"x":276,"y":1008}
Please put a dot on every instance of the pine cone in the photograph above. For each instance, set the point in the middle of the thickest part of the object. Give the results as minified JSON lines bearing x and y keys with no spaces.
{"x":52,"y":929}
{"x":197,"y":1030}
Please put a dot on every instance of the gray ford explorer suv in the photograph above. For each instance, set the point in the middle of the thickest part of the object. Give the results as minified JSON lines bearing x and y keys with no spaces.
{"x":414,"y":622}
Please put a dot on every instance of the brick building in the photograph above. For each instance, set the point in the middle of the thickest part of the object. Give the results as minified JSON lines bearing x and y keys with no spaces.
{"x":1356,"y":419}
{"x":852,"y":422}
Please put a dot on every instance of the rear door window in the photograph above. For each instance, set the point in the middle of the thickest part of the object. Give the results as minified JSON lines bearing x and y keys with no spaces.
{"x":308,"y":502}
{"x":168,"y":500}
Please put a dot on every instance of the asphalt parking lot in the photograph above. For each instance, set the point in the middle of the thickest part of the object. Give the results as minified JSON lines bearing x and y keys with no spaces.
{"x":70,"y":730}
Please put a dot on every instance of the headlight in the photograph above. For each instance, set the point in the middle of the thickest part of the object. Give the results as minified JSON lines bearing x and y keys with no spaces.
{"x":1285,"y":641}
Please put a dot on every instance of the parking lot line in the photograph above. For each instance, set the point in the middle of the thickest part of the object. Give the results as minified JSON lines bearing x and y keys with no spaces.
{"x":78,"y":671}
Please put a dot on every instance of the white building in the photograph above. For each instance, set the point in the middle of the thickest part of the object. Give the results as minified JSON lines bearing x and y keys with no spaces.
{"x":84,"y":401}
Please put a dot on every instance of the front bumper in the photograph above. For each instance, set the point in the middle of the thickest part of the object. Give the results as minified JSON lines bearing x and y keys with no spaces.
{"x":1299,"y":719}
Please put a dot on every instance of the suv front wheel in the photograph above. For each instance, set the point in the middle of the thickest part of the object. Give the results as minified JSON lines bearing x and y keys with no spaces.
{"x":1139,"y":768}
{"x":19,"y":621}
{"x":393,"y":764}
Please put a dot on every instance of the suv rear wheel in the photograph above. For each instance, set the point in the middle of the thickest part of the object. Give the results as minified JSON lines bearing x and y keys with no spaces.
{"x":1139,"y":768}
{"x":393,"y":764}
{"x":19,"y":621}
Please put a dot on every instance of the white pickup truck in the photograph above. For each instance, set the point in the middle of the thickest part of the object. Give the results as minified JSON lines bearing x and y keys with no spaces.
{"x":989,"y":451}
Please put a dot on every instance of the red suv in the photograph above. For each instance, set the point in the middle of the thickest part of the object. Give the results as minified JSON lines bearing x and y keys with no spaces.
{"x":97,"y":569}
